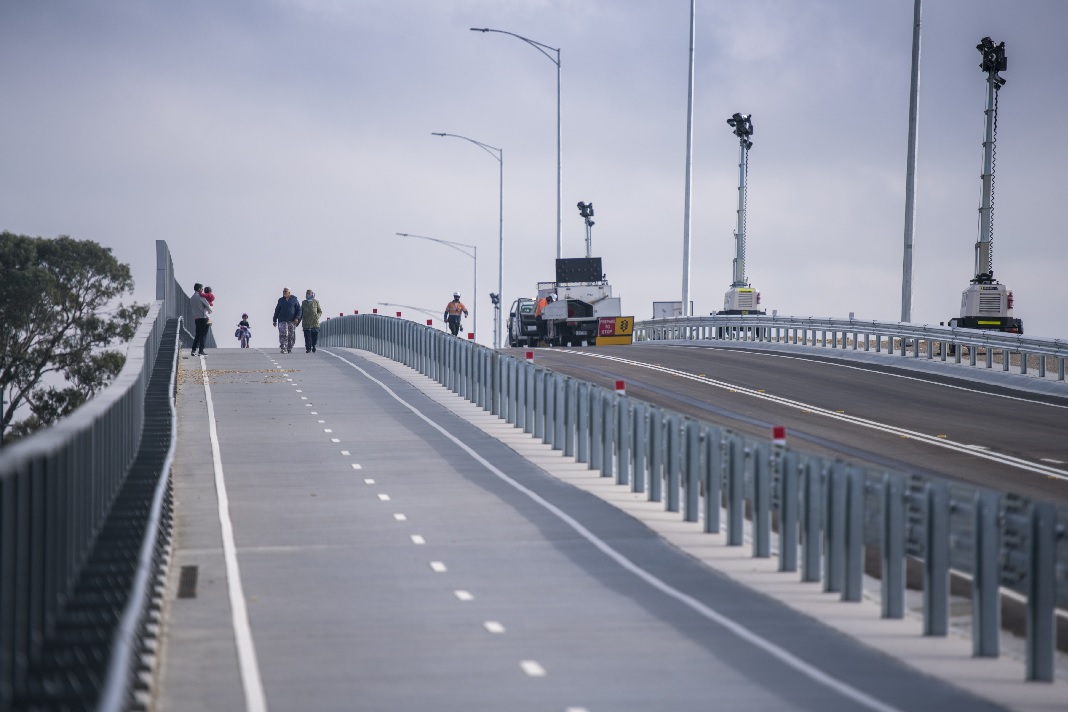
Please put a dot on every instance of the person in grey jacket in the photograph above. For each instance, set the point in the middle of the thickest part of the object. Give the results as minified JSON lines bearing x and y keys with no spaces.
{"x":201,"y":309}
{"x":310,"y":312}
{"x":286,"y":318}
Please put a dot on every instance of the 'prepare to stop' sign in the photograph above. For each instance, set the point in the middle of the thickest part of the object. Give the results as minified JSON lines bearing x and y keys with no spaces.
{"x":615,"y":326}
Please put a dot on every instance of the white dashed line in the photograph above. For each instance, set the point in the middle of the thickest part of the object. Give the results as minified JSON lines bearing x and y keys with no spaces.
{"x":299,"y":391}
{"x":464,"y":595}
{"x":314,"y":412}
{"x":576,"y":709}
{"x":400,"y":517}
{"x":437,"y":567}
{"x":357,"y":466}
{"x":1052,"y":461}
{"x":335,"y":440}
{"x":384,"y":497}
{"x":328,"y":430}
{"x":417,"y":539}
{"x":319,"y":421}
{"x":346,"y":453}
{"x":368,"y":481}
{"x":304,"y":397}
{"x":532,"y":668}
{"x":493,"y":627}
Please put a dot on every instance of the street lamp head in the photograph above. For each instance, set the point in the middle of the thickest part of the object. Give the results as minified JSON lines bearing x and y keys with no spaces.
{"x":435,"y":133}
{"x":480,"y":29}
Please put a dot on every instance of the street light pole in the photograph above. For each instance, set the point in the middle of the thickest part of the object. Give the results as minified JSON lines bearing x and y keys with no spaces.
{"x":559,"y":163}
{"x":473,"y":254}
{"x":500,"y":233}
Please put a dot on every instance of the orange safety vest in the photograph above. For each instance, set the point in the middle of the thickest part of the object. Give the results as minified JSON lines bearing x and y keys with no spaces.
{"x":455,"y":308}
{"x":541,"y":305}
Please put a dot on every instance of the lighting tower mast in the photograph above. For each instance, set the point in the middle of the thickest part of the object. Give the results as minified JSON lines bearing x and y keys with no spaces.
{"x":741,"y":298}
{"x":986,"y":304}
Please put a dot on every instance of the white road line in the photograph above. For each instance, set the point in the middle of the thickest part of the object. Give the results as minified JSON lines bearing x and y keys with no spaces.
{"x":328,"y":430}
{"x":417,"y":539}
{"x":384,"y":497}
{"x":400,"y":517}
{"x":255,"y":699}
{"x":463,"y":595}
{"x":493,"y":627}
{"x":346,"y":453}
{"x":318,"y":421}
{"x":532,"y":668}
{"x":946,"y":443}
{"x":437,"y":567}
{"x":335,"y":440}
{"x":368,"y":481}
{"x":786,"y":657}
{"x":356,"y":465}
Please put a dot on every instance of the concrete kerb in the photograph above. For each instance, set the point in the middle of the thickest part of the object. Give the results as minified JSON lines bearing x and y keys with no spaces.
{"x":1000,"y":680}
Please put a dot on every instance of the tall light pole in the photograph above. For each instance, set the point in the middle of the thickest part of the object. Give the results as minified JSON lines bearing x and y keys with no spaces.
{"x":500,"y":234}
{"x":473,"y":254}
{"x":559,"y":190}
{"x":689,"y":172}
{"x":910,"y":169}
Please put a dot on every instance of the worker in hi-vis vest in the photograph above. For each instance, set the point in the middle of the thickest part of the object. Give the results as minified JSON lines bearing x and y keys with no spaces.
{"x":453,"y":311}
{"x":543,"y":331}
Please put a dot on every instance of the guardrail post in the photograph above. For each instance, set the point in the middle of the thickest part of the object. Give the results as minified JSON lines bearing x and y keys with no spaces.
{"x":522,"y":372}
{"x":560,"y":410}
{"x":692,"y":479}
{"x":582,"y":433}
{"x":531,"y":398}
{"x":656,"y":454}
{"x":539,"y":403}
{"x":596,"y":428}
{"x":608,"y":423}
{"x":548,"y":387}
{"x":736,"y":464}
{"x":713,"y":475}
{"x":811,"y":486}
{"x":640,"y":440}
{"x":1060,"y":368}
{"x":893,"y":547}
{"x":510,"y":370}
{"x":986,"y":602}
{"x":761,"y":504}
{"x":674,"y":461}
{"x":1042,"y":592}
{"x":854,"y":544}
{"x":624,"y":423}
{"x":936,"y":561}
{"x":834,"y":533}
{"x":789,"y":501}
{"x":571,"y":416}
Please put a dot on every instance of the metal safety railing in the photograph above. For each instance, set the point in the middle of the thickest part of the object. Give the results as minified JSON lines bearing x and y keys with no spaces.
{"x":1021,"y":353}
{"x":84,"y":518}
{"x":824,"y":519}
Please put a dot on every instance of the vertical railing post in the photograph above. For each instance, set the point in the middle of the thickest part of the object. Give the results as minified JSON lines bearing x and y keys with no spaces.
{"x":624,"y":437}
{"x":986,"y":578}
{"x":854,"y":532}
{"x":1042,"y":592}
{"x":811,"y":515}
{"x":736,"y":463}
{"x":893,"y":547}
{"x":656,"y":454}
{"x":640,"y":446}
{"x":692,"y":471}
{"x":761,"y":503}
{"x":789,"y":501}
{"x":713,"y":479}
{"x":936,"y":561}
{"x":674,"y":461}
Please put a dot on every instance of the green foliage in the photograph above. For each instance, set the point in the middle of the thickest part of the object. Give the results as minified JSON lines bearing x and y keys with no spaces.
{"x":57,"y":317}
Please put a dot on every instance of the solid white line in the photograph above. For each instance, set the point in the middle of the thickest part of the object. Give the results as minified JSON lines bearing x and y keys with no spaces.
{"x":945,"y":443}
{"x":255,"y":700}
{"x":783,"y":655}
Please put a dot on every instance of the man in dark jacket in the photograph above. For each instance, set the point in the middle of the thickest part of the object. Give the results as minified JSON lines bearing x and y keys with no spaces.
{"x":286,"y":318}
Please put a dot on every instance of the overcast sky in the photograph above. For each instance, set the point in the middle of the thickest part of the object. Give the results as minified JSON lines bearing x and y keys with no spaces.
{"x":282,"y":143}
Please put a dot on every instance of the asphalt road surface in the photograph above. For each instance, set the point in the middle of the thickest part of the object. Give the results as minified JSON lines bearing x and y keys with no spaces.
{"x":883,"y":416}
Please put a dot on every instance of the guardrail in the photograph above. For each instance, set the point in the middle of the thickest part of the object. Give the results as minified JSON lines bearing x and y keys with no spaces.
{"x":84,"y":512}
{"x":831,"y":516}
{"x":1046,"y":355}
{"x":175,"y":300}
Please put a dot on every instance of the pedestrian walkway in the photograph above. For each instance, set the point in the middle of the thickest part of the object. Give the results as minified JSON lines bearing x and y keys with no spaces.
{"x":352,"y":536}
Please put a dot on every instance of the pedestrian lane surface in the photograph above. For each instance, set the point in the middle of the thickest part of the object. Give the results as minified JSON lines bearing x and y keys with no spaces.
{"x":352,"y":536}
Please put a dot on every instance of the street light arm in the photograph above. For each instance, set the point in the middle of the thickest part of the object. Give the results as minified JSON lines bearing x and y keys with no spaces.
{"x":484,"y":146}
{"x":454,"y":245}
{"x":533,"y":43}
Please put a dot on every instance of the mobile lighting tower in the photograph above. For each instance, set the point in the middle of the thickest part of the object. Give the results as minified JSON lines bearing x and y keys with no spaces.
{"x":741,"y":298}
{"x":986,"y":304}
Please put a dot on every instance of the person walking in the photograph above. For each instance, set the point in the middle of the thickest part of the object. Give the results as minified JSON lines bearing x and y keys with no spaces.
{"x":286,"y":318}
{"x":310,"y":312}
{"x":201,"y":309}
{"x":453,"y":310}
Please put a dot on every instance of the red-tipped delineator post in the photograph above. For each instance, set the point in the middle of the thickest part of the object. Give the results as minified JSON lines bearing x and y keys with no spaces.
{"x":621,"y":388}
{"x":430,"y":322}
{"x":530,"y":355}
{"x":778,"y":435}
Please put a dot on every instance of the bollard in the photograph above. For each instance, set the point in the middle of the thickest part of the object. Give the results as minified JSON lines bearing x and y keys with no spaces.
{"x":936,"y":562}
{"x":834,"y":529}
{"x":761,"y":504}
{"x":571,"y":416}
{"x":853,"y":589}
{"x":736,"y":463}
{"x":656,"y":454}
{"x":640,"y":441}
{"x":893,"y":547}
{"x":624,"y":436}
{"x":788,"y":508}
{"x":986,"y":603}
{"x":596,"y":428}
{"x":674,"y":462}
{"x":713,"y":473}
{"x":583,"y":432}
{"x":608,"y":433}
{"x":1042,"y":592}
{"x":811,"y":487}
{"x":692,"y":471}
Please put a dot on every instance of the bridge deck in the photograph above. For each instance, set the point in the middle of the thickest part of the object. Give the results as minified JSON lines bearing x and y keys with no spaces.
{"x":397,"y":548}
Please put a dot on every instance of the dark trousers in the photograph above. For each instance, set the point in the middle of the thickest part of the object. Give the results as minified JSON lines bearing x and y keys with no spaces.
{"x":454,"y":324}
{"x":200,"y":334}
{"x":311,"y":339}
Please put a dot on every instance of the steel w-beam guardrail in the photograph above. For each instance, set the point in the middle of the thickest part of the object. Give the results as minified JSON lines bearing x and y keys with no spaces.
{"x":84,"y":526}
{"x":833,"y":518}
{"x":1017,"y":352}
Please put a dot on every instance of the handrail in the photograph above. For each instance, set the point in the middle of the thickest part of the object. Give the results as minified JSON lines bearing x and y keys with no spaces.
{"x":61,"y":491}
{"x":1048,"y":354}
{"x":829,"y":512}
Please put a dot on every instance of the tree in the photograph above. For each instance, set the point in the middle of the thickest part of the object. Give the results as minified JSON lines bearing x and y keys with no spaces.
{"x":57,"y":318}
